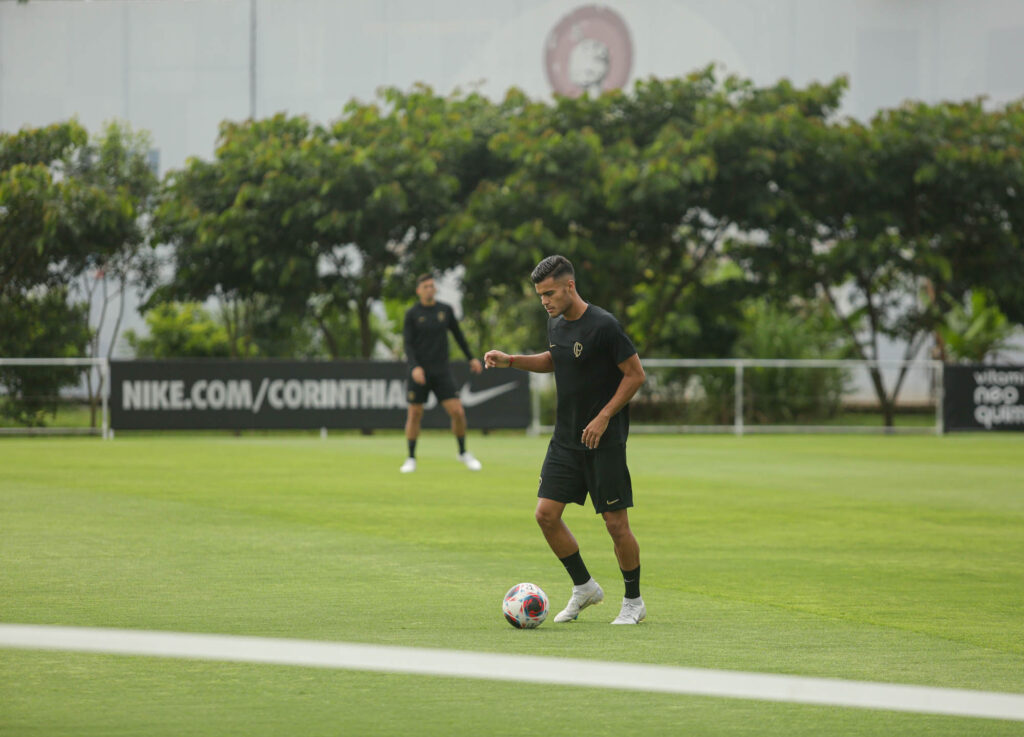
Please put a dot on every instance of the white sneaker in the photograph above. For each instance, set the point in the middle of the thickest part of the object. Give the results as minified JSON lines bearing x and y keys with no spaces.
{"x":471,"y":463}
{"x":633,"y":611}
{"x":409,"y":466}
{"x":582,"y":597}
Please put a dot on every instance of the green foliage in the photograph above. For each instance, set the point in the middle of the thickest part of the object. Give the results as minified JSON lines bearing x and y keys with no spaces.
{"x":180,"y":330}
{"x":258,"y":326}
{"x":890,"y":220}
{"x":630,"y":187}
{"x":771,"y":395}
{"x":44,"y":146}
{"x":786,"y":395}
{"x":975,"y":330}
{"x":39,"y":324}
{"x":71,"y":210}
{"x":512,"y":319}
{"x":320,"y":219}
{"x":676,"y":200}
{"x":66,"y":205}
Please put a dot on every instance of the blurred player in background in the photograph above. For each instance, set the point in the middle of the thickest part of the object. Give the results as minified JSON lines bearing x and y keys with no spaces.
{"x":597,"y":372}
{"x":425,"y":332}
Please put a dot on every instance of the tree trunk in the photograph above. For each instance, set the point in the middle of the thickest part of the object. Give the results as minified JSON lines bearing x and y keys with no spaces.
{"x":365,"y":330}
{"x":329,"y":339}
{"x":887,"y":405}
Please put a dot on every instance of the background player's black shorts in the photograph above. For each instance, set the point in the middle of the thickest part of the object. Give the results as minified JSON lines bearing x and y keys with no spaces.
{"x":439,"y":380}
{"x":569,"y":475}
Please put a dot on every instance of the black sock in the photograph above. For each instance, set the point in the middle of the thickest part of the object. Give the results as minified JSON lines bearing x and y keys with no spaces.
{"x":577,"y":570}
{"x":632,"y":581}
{"x":412,"y":448}
{"x":462,"y":443}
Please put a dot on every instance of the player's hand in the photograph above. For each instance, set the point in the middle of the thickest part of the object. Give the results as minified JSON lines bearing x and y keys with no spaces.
{"x":592,"y":432}
{"x":419,"y":375}
{"x":475,"y":366}
{"x":496,"y":359}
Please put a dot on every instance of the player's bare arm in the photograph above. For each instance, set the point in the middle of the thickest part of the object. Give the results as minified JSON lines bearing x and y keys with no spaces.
{"x":633,"y":378}
{"x":539,"y":363}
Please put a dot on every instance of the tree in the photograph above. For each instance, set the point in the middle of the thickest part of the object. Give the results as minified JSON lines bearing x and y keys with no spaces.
{"x":631,"y":187}
{"x":317,"y":220}
{"x":116,"y":162}
{"x":48,"y":218}
{"x":40,"y":324}
{"x":886,"y":221}
{"x":55,"y":223}
{"x":237,"y":228}
{"x":180,"y":330}
{"x":391,"y":173}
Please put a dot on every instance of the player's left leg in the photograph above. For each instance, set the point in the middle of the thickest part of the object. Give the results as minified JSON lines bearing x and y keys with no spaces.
{"x":611,"y":490}
{"x":457,"y":413}
{"x":417,"y":395}
{"x":627,"y":552}
{"x":413,"y":420}
{"x":627,"y":549}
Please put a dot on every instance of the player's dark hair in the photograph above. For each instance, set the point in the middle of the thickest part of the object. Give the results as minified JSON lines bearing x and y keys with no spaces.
{"x":423,"y":277}
{"x":554,"y":266}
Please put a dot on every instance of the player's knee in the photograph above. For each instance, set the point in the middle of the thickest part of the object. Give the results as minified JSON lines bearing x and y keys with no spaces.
{"x":546,"y":518}
{"x":415,"y":412}
{"x":617,"y":525}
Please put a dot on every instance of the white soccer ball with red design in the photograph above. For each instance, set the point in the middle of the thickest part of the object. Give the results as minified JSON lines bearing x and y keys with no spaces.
{"x":525,"y":606}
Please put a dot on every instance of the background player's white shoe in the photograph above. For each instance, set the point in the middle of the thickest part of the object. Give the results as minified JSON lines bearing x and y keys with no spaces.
{"x":633,"y":611}
{"x":409,"y":466}
{"x":471,"y":463}
{"x":582,"y":597}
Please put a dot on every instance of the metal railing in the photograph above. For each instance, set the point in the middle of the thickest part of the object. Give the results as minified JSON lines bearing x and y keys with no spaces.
{"x":739,"y":427}
{"x":102,"y":366}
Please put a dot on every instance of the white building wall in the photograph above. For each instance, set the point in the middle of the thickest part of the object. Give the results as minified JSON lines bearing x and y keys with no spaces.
{"x":178,"y":67}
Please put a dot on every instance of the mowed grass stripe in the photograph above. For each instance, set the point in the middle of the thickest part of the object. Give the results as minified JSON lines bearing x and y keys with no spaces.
{"x":896,"y":560}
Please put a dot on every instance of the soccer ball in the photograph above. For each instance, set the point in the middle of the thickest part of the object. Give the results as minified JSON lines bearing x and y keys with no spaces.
{"x":525,"y":606}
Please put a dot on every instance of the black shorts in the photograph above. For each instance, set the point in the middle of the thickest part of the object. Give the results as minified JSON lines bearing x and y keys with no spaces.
{"x":569,"y":475}
{"x":439,"y":380}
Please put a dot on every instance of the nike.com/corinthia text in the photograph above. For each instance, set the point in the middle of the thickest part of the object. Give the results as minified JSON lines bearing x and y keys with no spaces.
{"x":282,"y":394}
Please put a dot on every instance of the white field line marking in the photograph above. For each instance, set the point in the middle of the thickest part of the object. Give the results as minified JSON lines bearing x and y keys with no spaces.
{"x":525,"y":668}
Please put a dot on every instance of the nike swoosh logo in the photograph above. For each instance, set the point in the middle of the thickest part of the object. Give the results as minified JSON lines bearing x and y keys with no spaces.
{"x":471,"y":398}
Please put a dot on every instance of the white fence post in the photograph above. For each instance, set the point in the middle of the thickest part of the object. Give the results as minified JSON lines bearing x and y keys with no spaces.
{"x":104,"y":392}
{"x":534,"y":428}
{"x":738,"y":389}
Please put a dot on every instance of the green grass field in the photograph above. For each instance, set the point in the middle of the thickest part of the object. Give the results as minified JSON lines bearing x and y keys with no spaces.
{"x":896,"y":559}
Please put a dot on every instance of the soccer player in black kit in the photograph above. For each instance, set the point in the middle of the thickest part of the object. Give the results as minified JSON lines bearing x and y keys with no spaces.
{"x":597,"y":372}
{"x":425,"y":333}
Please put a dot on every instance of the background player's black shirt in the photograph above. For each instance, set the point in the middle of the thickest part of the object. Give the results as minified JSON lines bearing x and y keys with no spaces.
{"x":426,"y":335}
{"x":587,"y":353}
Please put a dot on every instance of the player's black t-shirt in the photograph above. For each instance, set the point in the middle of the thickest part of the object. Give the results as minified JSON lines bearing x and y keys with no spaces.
{"x":426,"y":335}
{"x":587,"y":353}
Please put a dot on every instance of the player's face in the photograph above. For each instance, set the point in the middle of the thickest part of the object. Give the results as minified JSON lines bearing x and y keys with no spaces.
{"x":556,"y":295}
{"x":426,"y":290}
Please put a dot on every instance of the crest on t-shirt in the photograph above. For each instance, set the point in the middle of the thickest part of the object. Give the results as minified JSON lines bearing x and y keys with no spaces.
{"x":577,"y":349}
